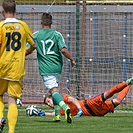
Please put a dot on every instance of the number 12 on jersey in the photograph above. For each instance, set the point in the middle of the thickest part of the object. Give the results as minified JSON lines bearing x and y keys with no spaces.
{"x":48,"y":51}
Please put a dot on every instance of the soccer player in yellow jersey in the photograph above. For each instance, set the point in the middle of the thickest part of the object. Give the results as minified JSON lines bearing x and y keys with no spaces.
{"x":14,"y":34}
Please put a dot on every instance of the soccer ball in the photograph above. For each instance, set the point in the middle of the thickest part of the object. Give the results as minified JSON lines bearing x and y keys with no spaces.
{"x":32,"y":110}
{"x":19,"y":103}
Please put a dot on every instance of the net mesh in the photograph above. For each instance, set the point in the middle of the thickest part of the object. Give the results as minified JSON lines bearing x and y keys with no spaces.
{"x":98,"y":35}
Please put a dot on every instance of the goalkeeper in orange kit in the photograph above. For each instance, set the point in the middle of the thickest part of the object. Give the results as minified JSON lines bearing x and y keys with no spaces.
{"x":96,"y":106}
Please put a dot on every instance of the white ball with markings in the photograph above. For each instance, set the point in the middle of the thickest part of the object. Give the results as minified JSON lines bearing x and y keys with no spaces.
{"x":19,"y":103}
{"x":32,"y":110}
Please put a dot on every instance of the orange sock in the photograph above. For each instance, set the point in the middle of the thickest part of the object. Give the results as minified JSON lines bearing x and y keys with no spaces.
{"x":115,"y":89}
{"x":123,"y":93}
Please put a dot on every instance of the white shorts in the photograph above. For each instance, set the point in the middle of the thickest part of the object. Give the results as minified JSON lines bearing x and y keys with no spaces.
{"x":51,"y":81}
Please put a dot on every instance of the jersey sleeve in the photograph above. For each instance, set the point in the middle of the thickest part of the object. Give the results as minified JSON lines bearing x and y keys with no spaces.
{"x":30,"y":37}
{"x":61,"y":41}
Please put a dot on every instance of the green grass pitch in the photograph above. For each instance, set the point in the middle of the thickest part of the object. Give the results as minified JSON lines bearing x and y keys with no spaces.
{"x":110,"y":123}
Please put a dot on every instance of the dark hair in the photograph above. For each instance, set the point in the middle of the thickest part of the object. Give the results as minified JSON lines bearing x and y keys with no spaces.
{"x":46,"y":96}
{"x":46,"y":19}
{"x":9,"y":6}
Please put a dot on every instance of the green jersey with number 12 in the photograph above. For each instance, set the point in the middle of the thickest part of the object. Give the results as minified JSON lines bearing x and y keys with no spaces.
{"x":49,"y":45}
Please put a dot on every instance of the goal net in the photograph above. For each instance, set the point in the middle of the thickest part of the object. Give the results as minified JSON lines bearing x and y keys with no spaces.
{"x":99,"y":36}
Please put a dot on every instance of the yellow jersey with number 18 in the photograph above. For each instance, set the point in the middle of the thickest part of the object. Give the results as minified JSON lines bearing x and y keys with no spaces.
{"x":14,"y":34}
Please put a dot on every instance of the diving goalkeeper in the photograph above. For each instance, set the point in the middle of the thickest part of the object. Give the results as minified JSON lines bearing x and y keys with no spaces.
{"x":96,"y":106}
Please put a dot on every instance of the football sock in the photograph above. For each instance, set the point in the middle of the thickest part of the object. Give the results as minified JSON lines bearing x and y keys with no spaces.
{"x":122,"y":94}
{"x":57,"y":110}
{"x":63,"y":105}
{"x":12,"y":117}
{"x":1,"y":107}
{"x":115,"y":89}
{"x":58,"y":100}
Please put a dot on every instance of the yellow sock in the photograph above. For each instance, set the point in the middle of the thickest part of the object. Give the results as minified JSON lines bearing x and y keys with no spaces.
{"x":12,"y":117}
{"x":1,"y":107}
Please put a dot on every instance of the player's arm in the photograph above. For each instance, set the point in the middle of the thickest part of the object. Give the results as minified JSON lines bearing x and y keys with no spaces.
{"x":43,"y":113}
{"x":66,"y":53}
{"x":30,"y":49}
{"x":64,"y":50}
{"x":29,"y":39}
{"x":77,"y":104}
{"x":50,"y":113}
{"x":74,"y":101}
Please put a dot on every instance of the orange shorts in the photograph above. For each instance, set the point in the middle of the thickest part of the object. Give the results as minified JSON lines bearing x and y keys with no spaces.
{"x":13,"y":88}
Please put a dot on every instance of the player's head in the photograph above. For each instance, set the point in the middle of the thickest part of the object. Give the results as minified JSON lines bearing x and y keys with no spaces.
{"x":9,"y":6}
{"x":46,"y":19}
{"x":48,"y":101}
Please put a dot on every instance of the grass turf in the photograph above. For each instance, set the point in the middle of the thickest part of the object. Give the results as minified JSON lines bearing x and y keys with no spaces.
{"x":110,"y":123}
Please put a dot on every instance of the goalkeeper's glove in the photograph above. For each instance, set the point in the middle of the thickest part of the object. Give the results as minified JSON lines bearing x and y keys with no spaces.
{"x":41,"y":112}
{"x":80,"y":113}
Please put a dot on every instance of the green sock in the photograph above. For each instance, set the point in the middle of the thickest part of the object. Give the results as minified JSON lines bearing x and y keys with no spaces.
{"x":58,"y":100}
{"x":57,"y":110}
{"x":63,"y":105}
